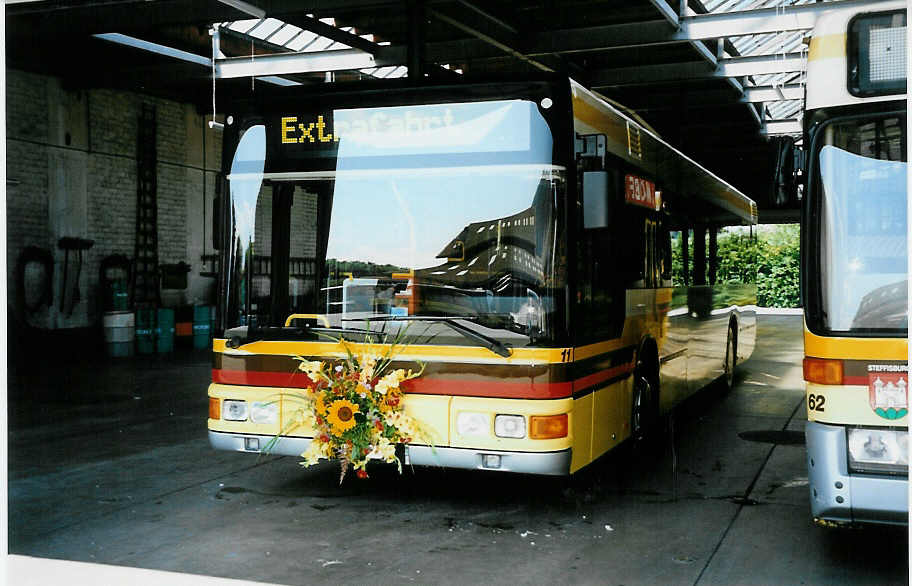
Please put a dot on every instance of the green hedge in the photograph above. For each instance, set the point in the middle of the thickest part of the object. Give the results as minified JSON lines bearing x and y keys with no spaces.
{"x":779,"y":269}
{"x":774,"y":254}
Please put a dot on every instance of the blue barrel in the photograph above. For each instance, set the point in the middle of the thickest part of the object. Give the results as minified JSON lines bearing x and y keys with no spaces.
{"x":202,"y":316}
{"x":145,"y":331}
{"x":164,"y":331}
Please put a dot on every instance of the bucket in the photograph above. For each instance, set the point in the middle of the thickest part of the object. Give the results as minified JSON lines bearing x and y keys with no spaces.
{"x":202,"y":317}
{"x":119,"y":332}
{"x":145,"y":331}
{"x":183,"y":327}
{"x":164,"y":331}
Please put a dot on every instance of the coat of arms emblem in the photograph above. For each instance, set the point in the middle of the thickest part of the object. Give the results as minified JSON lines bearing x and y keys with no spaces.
{"x":888,"y":390}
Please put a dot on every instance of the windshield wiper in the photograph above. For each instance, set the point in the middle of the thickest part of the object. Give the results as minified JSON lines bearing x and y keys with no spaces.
{"x":244,"y":335}
{"x":492,"y":344}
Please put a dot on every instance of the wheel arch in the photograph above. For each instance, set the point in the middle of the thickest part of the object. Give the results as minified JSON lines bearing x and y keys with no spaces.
{"x":647,"y":358}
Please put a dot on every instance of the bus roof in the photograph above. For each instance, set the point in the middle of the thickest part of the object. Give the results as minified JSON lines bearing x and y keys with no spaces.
{"x":594,"y":115}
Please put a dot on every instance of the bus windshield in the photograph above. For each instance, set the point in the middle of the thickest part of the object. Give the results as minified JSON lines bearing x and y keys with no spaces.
{"x":405,"y":213}
{"x":863,"y":248}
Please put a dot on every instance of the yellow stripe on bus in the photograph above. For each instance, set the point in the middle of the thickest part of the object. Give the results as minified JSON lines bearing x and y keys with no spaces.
{"x":405,"y":352}
{"x":855,"y":348}
{"x":827,"y":47}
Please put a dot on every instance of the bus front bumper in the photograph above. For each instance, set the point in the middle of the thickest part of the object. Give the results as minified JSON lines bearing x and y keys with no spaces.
{"x":545,"y":463}
{"x":843,"y":497}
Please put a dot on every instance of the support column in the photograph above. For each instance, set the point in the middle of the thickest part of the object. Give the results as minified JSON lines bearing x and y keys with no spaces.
{"x":417,"y":21}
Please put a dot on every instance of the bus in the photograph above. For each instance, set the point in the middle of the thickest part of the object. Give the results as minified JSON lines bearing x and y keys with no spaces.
{"x":854,"y":267}
{"x":551,"y":263}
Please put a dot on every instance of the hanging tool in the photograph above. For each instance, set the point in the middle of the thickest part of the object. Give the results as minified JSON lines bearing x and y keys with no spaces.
{"x":68,"y":243}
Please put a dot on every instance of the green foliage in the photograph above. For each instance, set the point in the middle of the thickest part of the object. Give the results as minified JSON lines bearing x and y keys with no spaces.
{"x":360,"y":268}
{"x":779,"y":269}
{"x":738,"y":257}
{"x":771,"y":261}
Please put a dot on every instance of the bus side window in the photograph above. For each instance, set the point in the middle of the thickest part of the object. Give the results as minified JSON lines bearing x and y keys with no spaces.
{"x":698,"y":261}
{"x":665,"y":255}
{"x":636,"y":250}
{"x":713,"y":254}
{"x":681,"y":273}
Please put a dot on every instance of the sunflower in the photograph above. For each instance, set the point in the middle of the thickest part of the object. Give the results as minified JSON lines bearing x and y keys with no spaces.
{"x":341,"y":415}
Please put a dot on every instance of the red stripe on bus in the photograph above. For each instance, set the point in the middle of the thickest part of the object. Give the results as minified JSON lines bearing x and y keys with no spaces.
{"x":490,"y":389}
{"x":855,"y":380}
{"x":423,"y":385}
{"x":600,"y":377}
{"x":260,"y":378}
{"x":435,"y":386}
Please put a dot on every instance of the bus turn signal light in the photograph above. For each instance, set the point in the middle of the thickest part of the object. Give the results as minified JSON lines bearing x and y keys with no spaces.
{"x":215,"y":409}
{"x":823,"y":371}
{"x":548,"y":426}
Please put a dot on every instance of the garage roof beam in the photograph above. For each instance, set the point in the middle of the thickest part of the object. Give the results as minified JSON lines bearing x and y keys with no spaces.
{"x":734,"y":67}
{"x":489,"y":30}
{"x":759,"y":21}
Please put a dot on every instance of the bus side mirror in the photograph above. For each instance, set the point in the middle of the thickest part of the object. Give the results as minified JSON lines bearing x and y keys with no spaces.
{"x":596,"y":204}
{"x":784,"y":187}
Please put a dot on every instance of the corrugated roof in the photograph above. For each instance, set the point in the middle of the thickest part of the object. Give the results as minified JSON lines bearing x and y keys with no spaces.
{"x":768,"y":44}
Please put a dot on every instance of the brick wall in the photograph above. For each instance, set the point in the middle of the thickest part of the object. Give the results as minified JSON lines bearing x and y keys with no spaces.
{"x":95,"y":134}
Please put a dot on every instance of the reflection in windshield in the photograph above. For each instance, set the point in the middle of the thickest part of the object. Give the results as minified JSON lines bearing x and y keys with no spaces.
{"x":863,"y":241}
{"x":453,"y":245}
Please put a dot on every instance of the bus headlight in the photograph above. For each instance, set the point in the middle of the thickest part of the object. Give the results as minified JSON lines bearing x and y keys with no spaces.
{"x":510,"y":426}
{"x":264,"y":412}
{"x":473,"y":423}
{"x":234,"y":410}
{"x":878,"y":450}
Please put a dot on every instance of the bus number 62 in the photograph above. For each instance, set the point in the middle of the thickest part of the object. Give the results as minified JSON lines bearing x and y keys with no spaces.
{"x":816,"y":402}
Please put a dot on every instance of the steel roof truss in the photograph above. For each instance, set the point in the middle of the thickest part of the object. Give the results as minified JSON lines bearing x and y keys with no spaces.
{"x":787,"y":126}
{"x":754,"y":22}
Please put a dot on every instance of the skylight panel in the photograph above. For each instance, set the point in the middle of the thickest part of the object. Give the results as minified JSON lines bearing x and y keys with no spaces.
{"x":319,"y":44}
{"x":242,"y":26}
{"x":306,"y":38}
{"x":285,"y":34}
{"x":265,"y":28}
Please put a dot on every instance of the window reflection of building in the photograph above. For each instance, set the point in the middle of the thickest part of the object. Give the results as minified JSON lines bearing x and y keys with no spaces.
{"x":487,"y":249}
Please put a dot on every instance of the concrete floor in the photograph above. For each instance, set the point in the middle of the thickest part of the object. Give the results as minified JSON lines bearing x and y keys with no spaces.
{"x":109,"y":463}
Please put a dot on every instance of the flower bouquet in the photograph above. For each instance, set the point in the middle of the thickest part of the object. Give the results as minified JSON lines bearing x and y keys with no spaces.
{"x":354,"y":405}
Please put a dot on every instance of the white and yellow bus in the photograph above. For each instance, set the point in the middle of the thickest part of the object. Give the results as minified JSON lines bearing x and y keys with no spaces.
{"x":524,"y":232}
{"x":855,"y":276}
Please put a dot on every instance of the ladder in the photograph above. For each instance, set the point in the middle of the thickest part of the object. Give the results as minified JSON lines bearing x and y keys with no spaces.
{"x":145,"y":272}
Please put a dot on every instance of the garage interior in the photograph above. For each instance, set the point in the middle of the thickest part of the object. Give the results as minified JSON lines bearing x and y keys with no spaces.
{"x":101,"y":217}
{"x":114,"y":143}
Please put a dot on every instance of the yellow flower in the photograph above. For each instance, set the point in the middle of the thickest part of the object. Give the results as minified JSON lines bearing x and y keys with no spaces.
{"x":320,"y":405}
{"x":312,"y":368}
{"x":341,"y":415}
{"x":366,"y":362}
{"x":385,"y":450}
{"x":314,"y":453}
